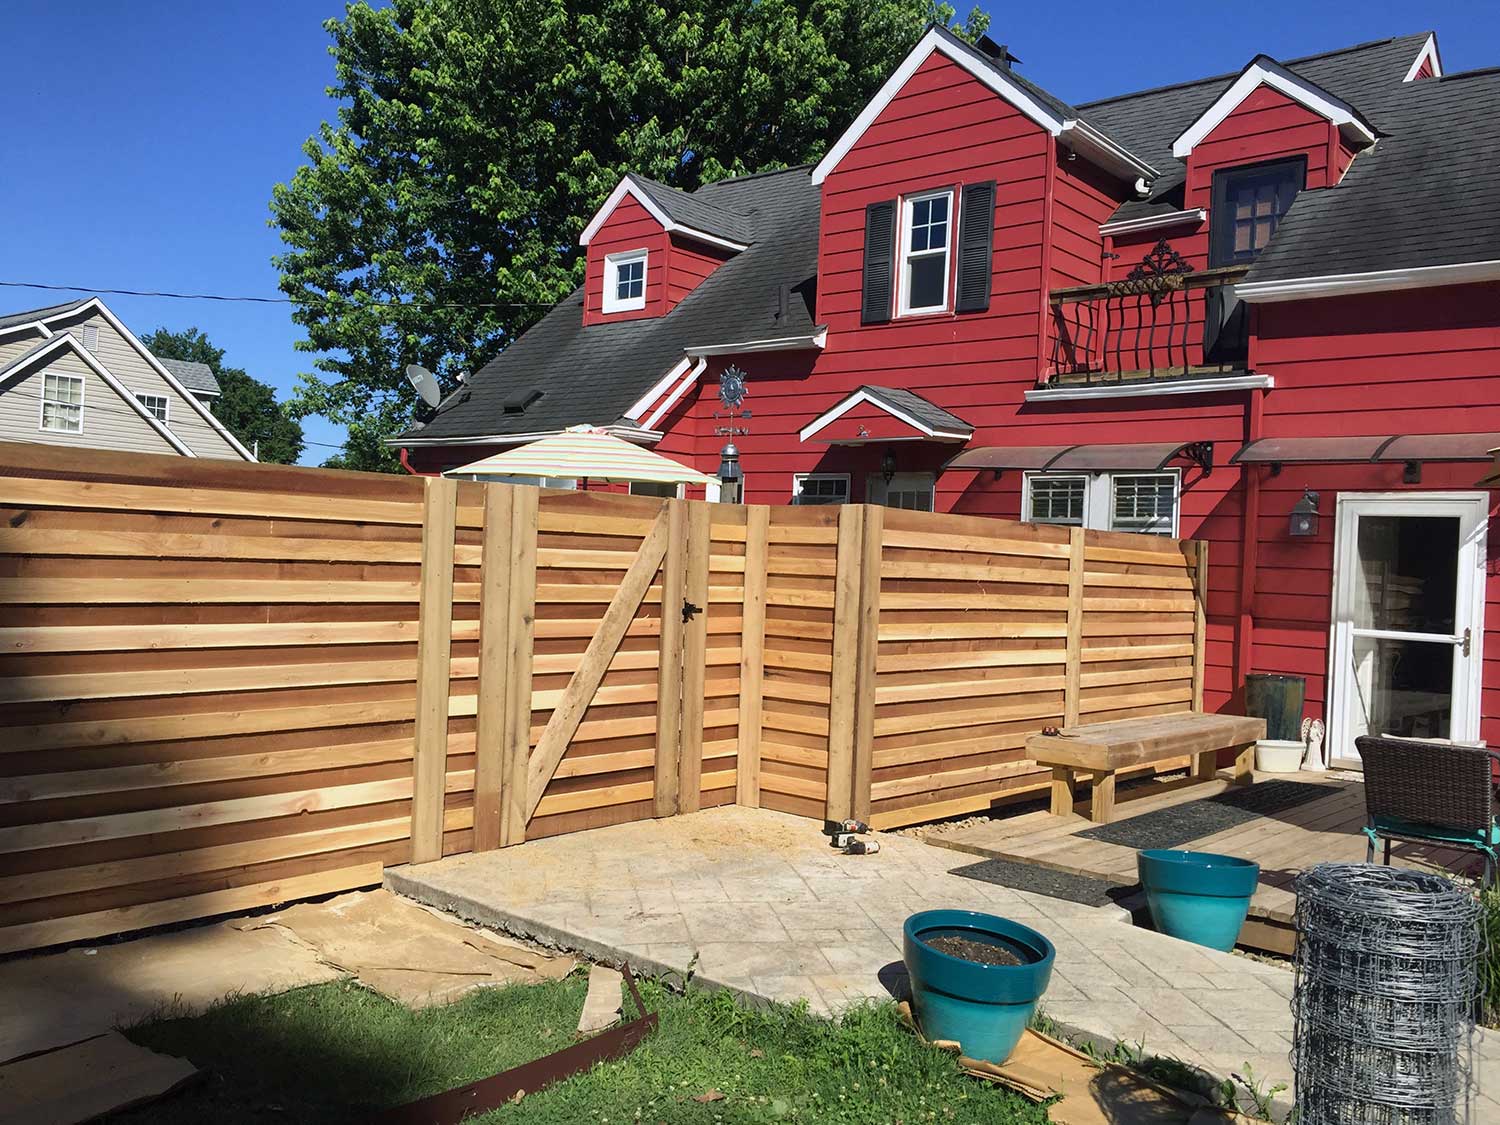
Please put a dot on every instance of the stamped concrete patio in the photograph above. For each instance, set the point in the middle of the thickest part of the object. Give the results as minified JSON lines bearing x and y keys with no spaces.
{"x":757,"y":902}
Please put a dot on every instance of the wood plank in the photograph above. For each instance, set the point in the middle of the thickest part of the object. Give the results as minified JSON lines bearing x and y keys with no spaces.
{"x":694,"y":642}
{"x":865,"y":659}
{"x":844,"y":684}
{"x":752,"y":656}
{"x":434,"y":645}
{"x":520,"y":663}
{"x":1073,"y":650}
{"x":669,"y":675}
{"x":494,"y":653}
{"x":581,"y":688}
{"x":1200,"y":621}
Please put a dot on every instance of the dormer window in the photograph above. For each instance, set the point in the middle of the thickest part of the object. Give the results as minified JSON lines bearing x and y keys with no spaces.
{"x":625,"y":281}
{"x":1247,"y":206}
{"x":925,"y":223}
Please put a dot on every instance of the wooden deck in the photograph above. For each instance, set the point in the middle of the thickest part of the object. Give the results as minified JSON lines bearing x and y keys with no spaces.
{"x":1322,"y":830}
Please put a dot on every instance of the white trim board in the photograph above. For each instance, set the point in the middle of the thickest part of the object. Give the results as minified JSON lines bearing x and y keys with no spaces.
{"x":849,"y":402}
{"x":1264,"y":71}
{"x":628,"y":433}
{"x":1377,"y":281}
{"x":1152,"y":222}
{"x":1074,"y":132}
{"x":1208,"y":386}
{"x":627,"y":186}
{"x":1429,"y":51}
{"x":818,"y":339}
{"x":658,"y":388}
{"x":688,"y":380}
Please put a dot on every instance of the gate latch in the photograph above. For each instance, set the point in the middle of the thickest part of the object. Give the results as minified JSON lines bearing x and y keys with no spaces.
{"x":689,"y":611}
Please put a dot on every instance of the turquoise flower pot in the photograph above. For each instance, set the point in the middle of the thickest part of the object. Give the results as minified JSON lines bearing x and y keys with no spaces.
{"x":984,"y":1008}
{"x":1198,"y":896}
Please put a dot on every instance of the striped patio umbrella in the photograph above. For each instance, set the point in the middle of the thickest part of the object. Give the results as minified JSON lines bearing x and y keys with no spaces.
{"x":584,"y":453}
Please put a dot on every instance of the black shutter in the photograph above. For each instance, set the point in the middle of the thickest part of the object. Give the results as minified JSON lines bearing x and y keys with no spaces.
{"x":976,"y":241}
{"x":880,"y":262}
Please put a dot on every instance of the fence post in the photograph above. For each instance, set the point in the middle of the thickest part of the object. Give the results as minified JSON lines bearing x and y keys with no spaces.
{"x":871,"y":545}
{"x":520,"y":634}
{"x":669,"y":673}
{"x":1073,"y":668}
{"x":694,"y":659}
{"x":1200,"y":620}
{"x":752,"y":656}
{"x":434,"y":657}
{"x":494,"y":653}
{"x":844,"y":677}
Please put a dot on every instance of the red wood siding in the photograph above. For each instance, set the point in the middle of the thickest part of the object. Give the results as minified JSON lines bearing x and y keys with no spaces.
{"x":629,"y":227}
{"x":1423,"y":71}
{"x":688,"y":263}
{"x":1267,"y":125}
{"x":1083,"y":199}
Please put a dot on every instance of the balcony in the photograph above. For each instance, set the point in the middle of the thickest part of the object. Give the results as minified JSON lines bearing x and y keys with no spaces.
{"x":1162,"y":321}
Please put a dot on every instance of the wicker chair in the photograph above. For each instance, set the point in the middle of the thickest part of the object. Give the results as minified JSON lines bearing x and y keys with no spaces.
{"x":1430,"y":793}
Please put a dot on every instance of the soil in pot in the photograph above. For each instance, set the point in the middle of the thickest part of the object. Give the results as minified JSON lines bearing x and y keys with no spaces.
{"x":981,"y":952}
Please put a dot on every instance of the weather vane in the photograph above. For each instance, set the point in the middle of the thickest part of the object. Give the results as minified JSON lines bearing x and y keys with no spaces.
{"x":732,"y":395}
{"x":732,"y":387}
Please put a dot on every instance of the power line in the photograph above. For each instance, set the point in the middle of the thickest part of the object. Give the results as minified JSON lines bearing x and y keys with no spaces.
{"x":275,"y":300}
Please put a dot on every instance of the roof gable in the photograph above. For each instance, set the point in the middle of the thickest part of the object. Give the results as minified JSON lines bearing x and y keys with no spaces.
{"x":676,"y":211}
{"x":915,"y":416}
{"x":1427,"y":64}
{"x":1055,"y":116}
{"x":1266,"y":71}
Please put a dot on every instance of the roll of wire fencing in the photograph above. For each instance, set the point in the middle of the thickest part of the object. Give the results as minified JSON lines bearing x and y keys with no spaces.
{"x":1387,"y":983}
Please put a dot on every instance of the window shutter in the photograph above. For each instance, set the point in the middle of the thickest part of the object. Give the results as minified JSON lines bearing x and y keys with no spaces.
{"x":976,"y":240}
{"x":880,"y":262}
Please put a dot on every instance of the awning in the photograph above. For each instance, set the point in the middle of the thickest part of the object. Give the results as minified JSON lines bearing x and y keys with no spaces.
{"x":1148,"y":457}
{"x":880,"y":414}
{"x":1375,"y":450}
{"x":583,"y":453}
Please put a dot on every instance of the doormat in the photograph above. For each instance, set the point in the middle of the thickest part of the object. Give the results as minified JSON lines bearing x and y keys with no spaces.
{"x":1175,"y":826}
{"x":1045,"y":881}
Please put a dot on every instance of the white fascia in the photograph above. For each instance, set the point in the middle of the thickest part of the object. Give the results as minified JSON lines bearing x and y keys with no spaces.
{"x":637,"y":434}
{"x":1152,"y":222}
{"x":818,"y":339}
{"x":1376,"y":281}
{"x":1214,"y":385}
{"x":627,"y":186}
{"x":66,"y":342}
{"x":1268,"y":72}
{"x":1428,"y":53}
{"x":839,"y":409}
{"x":677,"y":392}
{"x":659,"y":388}
{"x":1081,"y":136}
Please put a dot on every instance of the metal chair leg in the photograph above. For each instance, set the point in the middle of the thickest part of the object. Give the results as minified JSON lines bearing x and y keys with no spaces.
{"x":1369,"y":849}
{"x":1388,"y":852}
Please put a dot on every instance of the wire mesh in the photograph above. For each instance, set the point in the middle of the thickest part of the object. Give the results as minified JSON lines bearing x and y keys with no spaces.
{"x":1387,"y":983}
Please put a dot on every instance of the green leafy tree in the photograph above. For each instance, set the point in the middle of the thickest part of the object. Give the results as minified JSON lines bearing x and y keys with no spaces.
{"x":438,"y":216}
{"x":247,"y":407}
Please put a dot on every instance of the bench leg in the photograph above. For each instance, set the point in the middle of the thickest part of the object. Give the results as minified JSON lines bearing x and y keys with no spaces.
{"x":1206,"y":765}
{"x":1102,"y":807}
{"x":1244,"y":765}
{"x":1062,"y":791}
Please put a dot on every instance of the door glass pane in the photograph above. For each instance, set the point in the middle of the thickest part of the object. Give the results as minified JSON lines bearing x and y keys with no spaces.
{"x":1408,"y":574}
{"x":1401,"y":688}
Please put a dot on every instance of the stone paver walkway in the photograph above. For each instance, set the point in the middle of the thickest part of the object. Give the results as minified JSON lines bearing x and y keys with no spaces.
{"x":765,"y":907}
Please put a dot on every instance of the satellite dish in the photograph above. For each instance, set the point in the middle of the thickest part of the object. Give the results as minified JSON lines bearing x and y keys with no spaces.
{"x":425,"y":382}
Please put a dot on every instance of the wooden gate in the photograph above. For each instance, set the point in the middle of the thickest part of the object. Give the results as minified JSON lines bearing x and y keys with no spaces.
{"x":592,"y":690}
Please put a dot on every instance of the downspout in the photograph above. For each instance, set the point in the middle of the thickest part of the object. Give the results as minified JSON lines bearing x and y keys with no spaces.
{"x":405,"y":464}
{"x":1250,"y":545}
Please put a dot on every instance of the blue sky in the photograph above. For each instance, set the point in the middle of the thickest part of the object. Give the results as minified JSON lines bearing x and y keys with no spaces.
{"x":146,"y":135}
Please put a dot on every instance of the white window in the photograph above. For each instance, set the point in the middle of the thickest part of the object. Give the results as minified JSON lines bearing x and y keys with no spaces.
{"x":912,"y":491}
{"x":625,"y":281}
{"x":926,"y":224}
{"x":1141,"y":502}
{"x":820,"y":488}
{"x":156,"y":405}
{"x":62,"y":403}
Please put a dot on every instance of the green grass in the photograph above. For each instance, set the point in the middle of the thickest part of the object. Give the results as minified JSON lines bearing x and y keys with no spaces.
{"x":336,"y":1052}
{"x":1489,"y":967}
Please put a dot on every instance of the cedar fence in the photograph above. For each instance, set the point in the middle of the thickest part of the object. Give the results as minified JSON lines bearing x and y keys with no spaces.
{"x":228,"y":685}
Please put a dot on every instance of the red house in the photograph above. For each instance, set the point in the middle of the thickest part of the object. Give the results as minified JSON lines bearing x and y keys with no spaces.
{"x":1261,"y":309}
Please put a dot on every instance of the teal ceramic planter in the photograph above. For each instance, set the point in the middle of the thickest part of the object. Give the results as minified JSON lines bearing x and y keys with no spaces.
{"x":1198,"y":896}
{"x":984,"y":1008}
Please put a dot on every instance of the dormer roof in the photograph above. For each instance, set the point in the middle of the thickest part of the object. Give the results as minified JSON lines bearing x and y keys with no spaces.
{"x":677,"y":212}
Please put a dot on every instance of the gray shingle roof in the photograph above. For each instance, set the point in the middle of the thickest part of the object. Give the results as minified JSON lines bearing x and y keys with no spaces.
{"x":693,"y":211}
{"x":1427,"y":194}
{"x":915,"y":406}
{"x":26,"y":316}
{"x":193,"y":376}
{"x":595,"y":373}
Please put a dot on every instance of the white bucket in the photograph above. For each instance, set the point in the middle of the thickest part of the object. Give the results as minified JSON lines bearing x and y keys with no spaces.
{"x":1279,"y":755}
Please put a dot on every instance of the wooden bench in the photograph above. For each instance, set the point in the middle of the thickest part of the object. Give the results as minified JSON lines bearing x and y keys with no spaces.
{"x":1103,"y":749}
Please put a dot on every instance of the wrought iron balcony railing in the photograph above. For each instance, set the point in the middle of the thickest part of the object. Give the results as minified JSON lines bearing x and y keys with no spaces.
{"x":1164,"y":320}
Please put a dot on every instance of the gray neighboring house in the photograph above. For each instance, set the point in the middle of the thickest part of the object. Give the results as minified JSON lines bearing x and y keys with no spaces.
{"x":73,"y":374}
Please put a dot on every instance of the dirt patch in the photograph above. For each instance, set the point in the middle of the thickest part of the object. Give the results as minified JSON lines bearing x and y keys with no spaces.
{"x":980,"y":952}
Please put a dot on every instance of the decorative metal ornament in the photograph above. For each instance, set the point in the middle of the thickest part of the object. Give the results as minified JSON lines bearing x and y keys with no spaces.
{"x":732,"y":387}
{"x":1160,"y":272}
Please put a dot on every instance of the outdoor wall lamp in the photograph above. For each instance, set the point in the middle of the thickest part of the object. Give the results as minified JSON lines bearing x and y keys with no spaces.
{"x":887,"y":465}
{"x":1303,"y":522}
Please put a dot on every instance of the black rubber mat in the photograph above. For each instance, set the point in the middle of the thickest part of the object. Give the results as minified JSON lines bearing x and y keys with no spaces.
{"x":1180,"y":824}
{"x":1045,"y":881}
